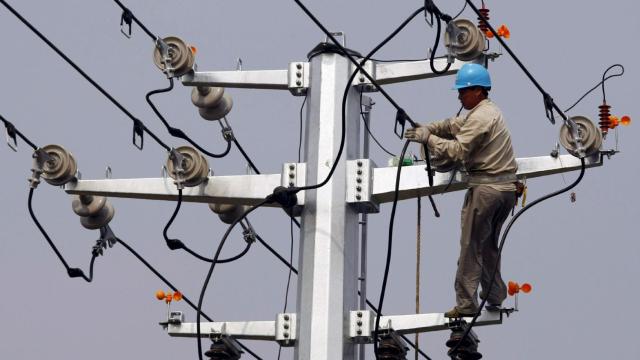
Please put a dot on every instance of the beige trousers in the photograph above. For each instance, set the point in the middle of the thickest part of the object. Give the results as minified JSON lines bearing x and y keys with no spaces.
{"x":485,"y":210}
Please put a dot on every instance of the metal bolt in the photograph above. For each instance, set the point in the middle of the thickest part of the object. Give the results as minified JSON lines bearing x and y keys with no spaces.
{"x":358,"y":197}
{"x":292,"y":175}
{"x":298,"y":74}
{"x":359,"y":188}
{"x":359,"y":163}
{"x":359,"y":172}
{"x":358,"y":180}
{"x":359,"y":332}
{"x":286,"y":326}
{"x":292,"y":167}
{"x":359,"y":323}
{"x":359,"y":314}
{"x":298,"y":66}
{"x":361,"y":78}
{"x":299,"y":83}
{"x":291,"y":183}
{"x":286,"y":334}
{"x":286,"y":318}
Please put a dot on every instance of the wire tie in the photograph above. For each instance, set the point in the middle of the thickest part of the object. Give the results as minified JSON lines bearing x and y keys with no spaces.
{"x":401,"y":118}
{"x":126,"y":19}
{"x":138,"y":133}
{"x":548,"y":107}
{"x":11,"y":135}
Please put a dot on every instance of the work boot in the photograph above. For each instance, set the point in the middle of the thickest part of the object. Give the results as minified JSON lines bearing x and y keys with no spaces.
{"x":493,"y":307}
{"x":455,"y":313}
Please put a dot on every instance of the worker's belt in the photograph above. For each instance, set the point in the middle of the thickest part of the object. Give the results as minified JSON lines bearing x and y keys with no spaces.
{"x":484,"y":179}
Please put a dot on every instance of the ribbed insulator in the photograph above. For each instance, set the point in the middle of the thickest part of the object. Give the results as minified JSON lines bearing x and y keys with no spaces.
{"x":482,"y":24}
{"x":605,"y":121}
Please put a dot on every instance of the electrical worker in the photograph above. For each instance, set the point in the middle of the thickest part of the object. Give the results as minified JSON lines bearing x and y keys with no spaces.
{"x":481,"y":142}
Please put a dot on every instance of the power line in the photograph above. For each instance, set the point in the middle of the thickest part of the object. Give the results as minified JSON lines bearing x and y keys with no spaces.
{"x":139,"y":126}
{"x":12,"y":131}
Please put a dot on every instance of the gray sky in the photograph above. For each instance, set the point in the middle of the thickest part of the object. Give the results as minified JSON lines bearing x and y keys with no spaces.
{"x":580,"y":257}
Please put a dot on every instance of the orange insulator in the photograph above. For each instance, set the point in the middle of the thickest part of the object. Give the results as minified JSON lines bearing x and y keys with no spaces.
{"x":605,"y":114}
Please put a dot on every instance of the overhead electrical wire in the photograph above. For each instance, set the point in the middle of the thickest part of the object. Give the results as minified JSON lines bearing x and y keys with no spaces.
{"x":549,"y":103}
{"x":72,"y":272}
{"x":176,"y":132}
{"x":366,"y":125}
{"x":12,"y":131}
{"x":175,"y":244}
{"x":502,"y":242}
{"x":212,"y":267}
{"x":604,"y":79}
{"x":137,"y":123}
{"x":169,"y":284}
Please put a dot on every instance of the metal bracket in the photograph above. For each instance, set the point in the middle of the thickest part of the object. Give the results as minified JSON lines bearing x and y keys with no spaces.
{"x":294,"y":175}
{"x":360,"y":325}
{"x":298,"y":78}
{"x":286,"y":329}
{"x":360,"y":185}
{"x":361,"y":81}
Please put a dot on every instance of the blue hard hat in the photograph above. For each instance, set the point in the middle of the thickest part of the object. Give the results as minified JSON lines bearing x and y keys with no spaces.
{"x":472,"y":75}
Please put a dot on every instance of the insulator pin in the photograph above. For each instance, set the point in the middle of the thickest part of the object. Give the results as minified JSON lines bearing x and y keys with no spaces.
{"x":195,"y":167}
{"x":61,"y":167}
{"x":212,"y":102}
{"x":464,"y":40}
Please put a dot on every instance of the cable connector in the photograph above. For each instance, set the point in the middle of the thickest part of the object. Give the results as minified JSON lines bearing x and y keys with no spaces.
{"x":286,"y":197}
{"x":107,"y":239}
{"x":40,"y":157}
{"x":248,"y":232}
{"x":177,"y":160}
{"x":401,"y":118}
{"x":165,"y":57}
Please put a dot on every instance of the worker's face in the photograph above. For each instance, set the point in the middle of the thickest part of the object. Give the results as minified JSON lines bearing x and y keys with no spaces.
{"x":470,"y":97}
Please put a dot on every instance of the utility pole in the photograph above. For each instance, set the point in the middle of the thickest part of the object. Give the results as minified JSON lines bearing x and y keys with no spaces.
{"x":329,"y":321}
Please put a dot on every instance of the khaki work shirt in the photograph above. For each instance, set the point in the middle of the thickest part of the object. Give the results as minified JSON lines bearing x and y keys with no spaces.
{"x":480,"y":140}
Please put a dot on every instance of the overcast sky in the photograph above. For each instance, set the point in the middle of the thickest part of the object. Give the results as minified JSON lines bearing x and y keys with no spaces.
{"x":581,"y":258}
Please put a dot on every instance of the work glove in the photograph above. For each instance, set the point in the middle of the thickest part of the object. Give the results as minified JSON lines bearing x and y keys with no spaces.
{"x":418,"y":134}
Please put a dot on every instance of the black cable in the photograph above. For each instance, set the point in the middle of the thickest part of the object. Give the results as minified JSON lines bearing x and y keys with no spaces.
{"x":435,"y":47}
{"x":175,"y":244}
{"x":604,"y":78}
{"x":501,"y":246}
{"x":134,"y":18}
{"x":351,"y":58}
{"x":300,"y":136}
{"x":169,"y":284}
{"x":295,"y":271}
{"x":366,"y":125}
{"x":137,"y":123}
{"x":244,"y":154}
{"x":176,"y":132}
{"x":348,"y":87}
{"x":550,"y":105}
{"x":72,"y":272}
{"x":286,"y":293}
{"x":396,"y":193}
{"x":12,"y":131}
{"x":213,"y":265}
{"x":460,"y":12}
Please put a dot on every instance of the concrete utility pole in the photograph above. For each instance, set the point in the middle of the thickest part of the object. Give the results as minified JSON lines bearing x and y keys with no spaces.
{"x":330,"y":320}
